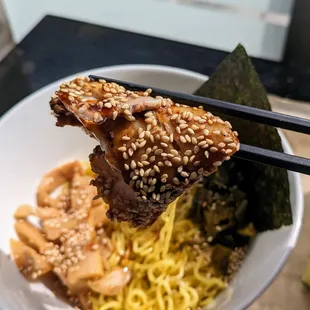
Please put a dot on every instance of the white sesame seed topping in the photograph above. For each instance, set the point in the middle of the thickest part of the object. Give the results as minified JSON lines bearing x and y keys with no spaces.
{"x":213,"y":149}
{"x":122,"y":149}
{"x":196,"y":163}
{"x":114,"y":115}
{"x":126,"y":167}
{"x":182,"y":139}
{"x":133,"y":164}
{"x":217,"y":163}
{"x":232,"y":145}
{"x":108,"y":105}
{"x":206,"y":154}
{"x":184,"y":174}
{"x":185,"y":160}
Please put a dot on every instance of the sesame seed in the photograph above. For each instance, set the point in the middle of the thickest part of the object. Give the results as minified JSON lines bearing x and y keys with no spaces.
{"x":185,"y":160}
{"x":145,"y":163}
{"x":122,"y":149}
{"x":195,"y":127}
{"x":164,"y":144}
{"x":182,"y":139}
{"x":158,"y":151}
{"x":127,"y":112}
{"x":174,"y":116}
{"x":193,"y":176}
{"x":200,"y":171}
{"x":155,"y":167}
{"x":228,"y":151}
{"x":142,"y":144}
{"x":196,"y":163}
{"x":144,"y":157}
{"x":176,"y":160}
{"x":202,"y":143}
{"x":210,"y":239}
{"x":168,"y":163}
{"x":160,"y":164}
{"x":216,"y":132}
{"x":196,"y":149}
{"x":202,"y":121}
{"x":126,"y":167}
{"x":184,"y":174}
{"x":108,"y":105}
{"x":178,"y":129}
{"x":188,"y":138}
{"x":232,"y":145}
{"x":191,"y":131}
{"x":180,"y":169}
{"x":210,"y":142}
{"x":227,"y":158}
{"x":125,"y":155}
{"x":206,"y":154}
{"x":213,"y":149}
{"x":228,"y":140}
{"x":176,"y":181}
{"x":210,"y":122}
{"x":162,"y":188}
{"x":165,"y":138}
{"x":221,"y":144}
{"x":130,"y":151}
{"x":164,"y":176}
{"x":141,"y":172}
{"x":152,"y":138}
{"x":192,"y":158}
{"x":125,"y":138}
{"x":188,"y":152}
{"x":114,"y":115}
{"x":194,"y":140}
{"x":206,"y":132}
{"x":183,"y":126}
{"x":217,"y":163}
{"x":228,"y":124}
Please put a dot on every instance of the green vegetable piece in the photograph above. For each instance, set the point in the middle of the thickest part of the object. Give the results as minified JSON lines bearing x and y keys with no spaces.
{"x":220,"y":258}
{"x":247,"y":231}
{"x":267,"y":188}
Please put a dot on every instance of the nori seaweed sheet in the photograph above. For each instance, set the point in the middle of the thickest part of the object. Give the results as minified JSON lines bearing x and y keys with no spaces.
{"x":235,"y":80}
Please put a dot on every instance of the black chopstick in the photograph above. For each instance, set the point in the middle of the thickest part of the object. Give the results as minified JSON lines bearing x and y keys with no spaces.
{"x":246,"y":152}
{"x":251,"y":114}
{"x":272,"y":158}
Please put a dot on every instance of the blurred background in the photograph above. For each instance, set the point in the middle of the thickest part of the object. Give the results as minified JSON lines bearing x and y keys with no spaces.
{"x":262,"y":25}
{"x":275,"y":32}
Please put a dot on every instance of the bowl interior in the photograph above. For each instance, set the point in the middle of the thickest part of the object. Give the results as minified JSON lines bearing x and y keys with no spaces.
{"x":32,"y":145}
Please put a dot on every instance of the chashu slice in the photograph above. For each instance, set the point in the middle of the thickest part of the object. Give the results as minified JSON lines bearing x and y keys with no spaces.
{"x":150,"y":149}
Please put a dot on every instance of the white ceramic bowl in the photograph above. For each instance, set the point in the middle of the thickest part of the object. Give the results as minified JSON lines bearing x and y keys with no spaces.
{"x":31,"y":145}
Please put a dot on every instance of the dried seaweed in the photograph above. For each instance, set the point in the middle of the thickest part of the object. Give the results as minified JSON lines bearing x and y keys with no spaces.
{"x":267,"y":188}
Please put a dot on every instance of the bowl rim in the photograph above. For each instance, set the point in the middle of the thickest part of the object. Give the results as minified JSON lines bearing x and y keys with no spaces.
{"x":295,"y":179}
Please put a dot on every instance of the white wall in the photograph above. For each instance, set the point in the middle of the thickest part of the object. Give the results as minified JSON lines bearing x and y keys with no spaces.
{"x":197,"y":23}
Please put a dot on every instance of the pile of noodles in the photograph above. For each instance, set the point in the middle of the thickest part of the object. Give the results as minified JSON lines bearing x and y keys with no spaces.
{"x":168,"y":271}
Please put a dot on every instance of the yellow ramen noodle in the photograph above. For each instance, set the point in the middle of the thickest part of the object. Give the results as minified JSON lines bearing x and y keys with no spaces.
{"x":169,"y":271}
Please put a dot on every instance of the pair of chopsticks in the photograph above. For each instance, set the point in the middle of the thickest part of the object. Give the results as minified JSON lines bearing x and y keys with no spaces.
{"x":247,"y":152}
